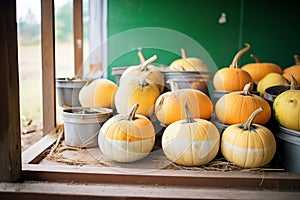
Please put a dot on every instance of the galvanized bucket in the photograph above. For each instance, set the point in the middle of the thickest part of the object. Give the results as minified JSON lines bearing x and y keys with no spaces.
{"x":117,"y":72}
{"x":68,"y":91}
{"x":188,"y":79}
{"x":272,"y":92}
{"x":82,"y":125}
{"x":288,"y":147}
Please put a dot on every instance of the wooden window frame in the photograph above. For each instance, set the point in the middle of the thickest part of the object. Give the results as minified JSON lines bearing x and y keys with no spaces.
{"x":206,"y":184}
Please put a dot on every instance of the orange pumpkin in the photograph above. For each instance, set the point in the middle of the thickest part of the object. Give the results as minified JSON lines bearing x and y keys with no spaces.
{"x":232,"y":78}
{"x":169,"y":106}
{"x":236,"y":107}
{"x":259,"y":69}
{"x":294,"y":69}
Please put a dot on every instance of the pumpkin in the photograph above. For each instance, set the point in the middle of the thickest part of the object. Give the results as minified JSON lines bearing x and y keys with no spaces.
{"x":126,"y":137}
{"x":169,"y":106}
{"x":139,"y":90}
{"x":271,"y":79}
{"x":286,"y":107}
{"x":260,"y":69}
{"x":188,"y":63}
{"x":232,"y":78}
{"x":191,"y":142}
{"x":134,"y":72}
{"x":248,"y":145}
{"x":235,"y":107}
{"x":294,"y":69}
{"x":98,"y":93}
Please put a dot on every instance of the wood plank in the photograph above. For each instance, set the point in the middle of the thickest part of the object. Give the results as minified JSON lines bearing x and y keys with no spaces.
{"x":10,"y":138}
{"x":108,"y":191}
{"x":35,"y":153}
{"x":258,"y":180}
{"x":28,"y":190}
{"x":78,"y":36}
{"x":48,"y":65}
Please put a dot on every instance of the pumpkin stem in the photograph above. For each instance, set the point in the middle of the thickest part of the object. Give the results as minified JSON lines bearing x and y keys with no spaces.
{"x":247,"y":125}
{"x":256,"y":58}
{"x":89,"y":82}
{"x":246,"y":89}
{"x":143,"y":80}
{"x":294,"y":83}
{"x":183,"y":53}
{"x":147,"y":62}
{"x":173,"y":85}
{"x":141,"y":56}
{"x":131,"y":114}
{"x":74,"y":78}
{"x":236,"y":58}
{"x":297,"y":59}
{"x":188,"y":114}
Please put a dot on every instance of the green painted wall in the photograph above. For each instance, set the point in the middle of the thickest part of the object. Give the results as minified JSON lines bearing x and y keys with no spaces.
{"x":271,"y":28}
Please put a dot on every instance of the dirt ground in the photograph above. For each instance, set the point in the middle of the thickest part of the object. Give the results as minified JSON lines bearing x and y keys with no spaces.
{"x":30,"y":135}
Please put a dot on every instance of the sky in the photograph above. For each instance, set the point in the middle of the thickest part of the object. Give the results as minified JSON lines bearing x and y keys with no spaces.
{"x":35,"y":5}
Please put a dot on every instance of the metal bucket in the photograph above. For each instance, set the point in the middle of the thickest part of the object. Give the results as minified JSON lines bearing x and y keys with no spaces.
{"x":188,"y":79}
{"x":117,"y":72}
{"x":220,"y":126}
{"x":82,"y":125}
{"x":272,"y":92}
{"x":288,"y":147}
{"x":68,"y":91}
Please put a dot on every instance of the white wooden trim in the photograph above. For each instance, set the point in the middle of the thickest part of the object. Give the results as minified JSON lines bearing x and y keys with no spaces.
{"x":104,"y":38}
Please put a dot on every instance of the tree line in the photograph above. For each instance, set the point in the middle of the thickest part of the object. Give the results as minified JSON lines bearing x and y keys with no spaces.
{"x":29,"y":27}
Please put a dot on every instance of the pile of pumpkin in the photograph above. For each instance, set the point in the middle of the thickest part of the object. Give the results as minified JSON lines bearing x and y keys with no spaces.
{"x":189,"y":137}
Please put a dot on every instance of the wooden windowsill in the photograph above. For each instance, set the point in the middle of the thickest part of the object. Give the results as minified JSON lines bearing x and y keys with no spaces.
{"x":54,"y":190}
{"x":35,"y":169}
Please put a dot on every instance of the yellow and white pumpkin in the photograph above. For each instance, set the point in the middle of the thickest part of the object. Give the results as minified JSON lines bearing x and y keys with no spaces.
{"x":98,"y":93}
{"x":286,"y":107}
{"x":248,"y":145}
{"x":155,"y":76}
{"x":191,"y":142}
{"x":140,"y":91}
{"x":271,"y":79}
{"x":127,"y":137}
{"x":188,"y":63}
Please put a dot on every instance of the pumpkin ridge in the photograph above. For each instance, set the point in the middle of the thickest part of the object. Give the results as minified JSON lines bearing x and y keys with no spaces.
{"x":241,"y":114}
{"x":264,"y":144}
{"x":232,"y":149}
{"x":192,"y":146}
{"x":247,"y":150}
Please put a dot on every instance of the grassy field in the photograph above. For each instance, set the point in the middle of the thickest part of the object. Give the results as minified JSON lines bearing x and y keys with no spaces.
{"x":30,"y":71}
